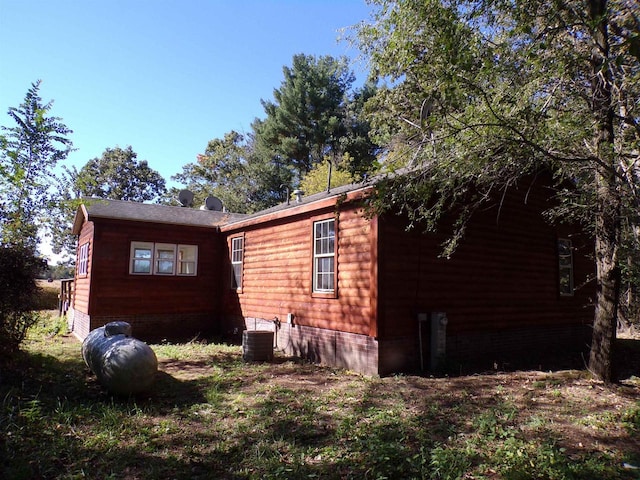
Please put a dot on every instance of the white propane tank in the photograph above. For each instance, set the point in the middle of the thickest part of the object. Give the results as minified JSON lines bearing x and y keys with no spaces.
{"x":123,"y":364}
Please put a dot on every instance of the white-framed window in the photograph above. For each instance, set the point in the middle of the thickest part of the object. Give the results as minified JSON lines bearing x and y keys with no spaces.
{"x":141,"y":258}
{"x":237,"y":256}
{"x":83,"y":259}
{"x":149,"y":258}
{"x":565,"y":267}
{"x":324,"y":247}
{"x":187,"y":259}
{"x":165,"y":259}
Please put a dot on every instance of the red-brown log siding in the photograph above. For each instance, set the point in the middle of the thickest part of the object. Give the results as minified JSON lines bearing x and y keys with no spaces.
{"x":115,"y":294}
{"x":82,"y":287}
{"x":277,"y":273}
{"x":504,"y":274}
{"x":115,"y":291}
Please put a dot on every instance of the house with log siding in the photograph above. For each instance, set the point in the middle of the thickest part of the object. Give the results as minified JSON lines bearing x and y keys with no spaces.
{"x":337,"y":286}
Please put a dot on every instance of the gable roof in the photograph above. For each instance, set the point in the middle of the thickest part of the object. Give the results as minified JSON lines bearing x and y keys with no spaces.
{"x":147,"y":212}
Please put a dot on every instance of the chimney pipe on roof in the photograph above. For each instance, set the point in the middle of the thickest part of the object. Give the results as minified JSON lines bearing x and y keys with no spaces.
{"x":298,"y":193}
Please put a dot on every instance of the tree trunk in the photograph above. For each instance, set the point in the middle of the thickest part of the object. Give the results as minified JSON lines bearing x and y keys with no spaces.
{"x":608,"y":283}
{"x":607,"y":221}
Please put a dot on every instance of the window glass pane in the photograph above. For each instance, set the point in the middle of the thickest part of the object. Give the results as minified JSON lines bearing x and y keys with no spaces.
{"x":236,"y":276}
{"x":565,"y":267}
{"x":325,"y":265}
{"x":565,"y":261}
{"x":142,"y":253}
{"x":142,"y":266}
{"x":187,"y":268}
{"x":187,"y":254}
{"x":236,"y":250}
{"x":564,"y":248}
{"x":165,"y":266}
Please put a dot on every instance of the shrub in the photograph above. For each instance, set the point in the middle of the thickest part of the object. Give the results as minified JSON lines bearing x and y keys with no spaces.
{"x":18,"y":292}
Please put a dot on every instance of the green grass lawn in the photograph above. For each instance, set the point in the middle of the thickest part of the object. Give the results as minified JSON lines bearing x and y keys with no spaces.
{"x":209,"y":415}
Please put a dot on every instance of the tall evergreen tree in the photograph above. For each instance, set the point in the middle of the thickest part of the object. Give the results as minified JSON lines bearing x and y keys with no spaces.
{"x":304,"y":121}
{"x":315,"y":117}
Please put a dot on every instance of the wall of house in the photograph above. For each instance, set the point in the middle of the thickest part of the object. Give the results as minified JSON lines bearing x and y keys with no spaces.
{"x":176,"y":307}
{"x":500,"y":289}
{"x":277,"y":280}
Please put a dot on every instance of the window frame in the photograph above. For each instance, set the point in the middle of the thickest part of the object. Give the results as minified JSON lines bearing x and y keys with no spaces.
{"x":135,"y":245}
{"x":180,"y":262}
{"x":154,"y":259}
{"x":565,"y":267}
{"x":236,"y":278}
{"x":83,"y":260}
{"x":316,"y":290}
{"x":157,"y":259}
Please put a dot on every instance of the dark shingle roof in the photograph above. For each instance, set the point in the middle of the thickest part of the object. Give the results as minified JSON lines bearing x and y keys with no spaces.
{"x":146,"y":212}
{"x":154,"y":213}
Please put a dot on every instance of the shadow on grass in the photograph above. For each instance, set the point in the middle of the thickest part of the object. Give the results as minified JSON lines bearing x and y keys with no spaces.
{"x":213,"y":416}
{"x":57,"y":420}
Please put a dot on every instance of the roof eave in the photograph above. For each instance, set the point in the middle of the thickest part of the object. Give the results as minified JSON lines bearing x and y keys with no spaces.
{"x":297,"y":209}
{"x":81,"y":216}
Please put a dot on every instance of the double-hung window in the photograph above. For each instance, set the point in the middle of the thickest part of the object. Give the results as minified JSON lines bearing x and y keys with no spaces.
{"x":237,"y":255}
{"x":83,"y":259}
{"x":187,"y":259}
{"x":565,"y":267}
{"x":324,"y":248}
{"x":141,"y":258}
{"x":165,"y":259}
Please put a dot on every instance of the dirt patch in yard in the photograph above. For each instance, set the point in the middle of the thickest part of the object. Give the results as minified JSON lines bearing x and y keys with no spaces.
{"x":567,"y":406}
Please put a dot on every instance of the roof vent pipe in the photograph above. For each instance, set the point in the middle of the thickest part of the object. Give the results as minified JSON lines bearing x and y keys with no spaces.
{"x":298,"y":193}
{"x":282,"y":185}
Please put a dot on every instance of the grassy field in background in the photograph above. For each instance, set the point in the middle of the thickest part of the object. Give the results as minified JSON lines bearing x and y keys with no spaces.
{"x":210,"y":415}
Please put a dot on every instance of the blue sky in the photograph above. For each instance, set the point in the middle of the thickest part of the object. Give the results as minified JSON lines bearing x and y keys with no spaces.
{"x":164,"y":76}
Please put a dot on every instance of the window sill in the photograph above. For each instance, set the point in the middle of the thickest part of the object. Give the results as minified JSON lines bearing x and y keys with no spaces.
{"x":324,"y":294}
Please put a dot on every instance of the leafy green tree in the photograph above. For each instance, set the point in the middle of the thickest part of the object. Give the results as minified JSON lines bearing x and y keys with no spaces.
{"x":482,"y":92}
{"x":119,"y":176}
{"x":317,"y":179}
{"x":116,"y":175}
{"x":29,"y":152}
{"x":231,"y":171}
{"x":60,"y":237}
